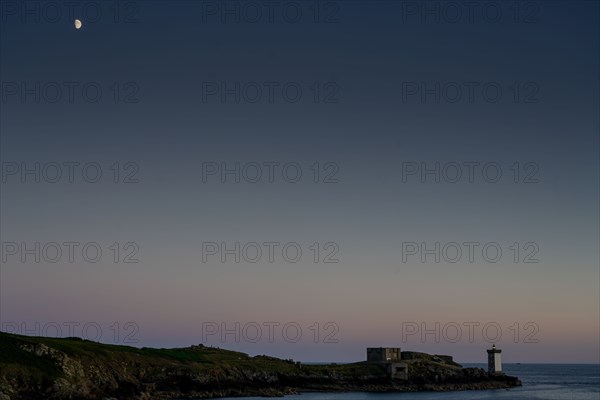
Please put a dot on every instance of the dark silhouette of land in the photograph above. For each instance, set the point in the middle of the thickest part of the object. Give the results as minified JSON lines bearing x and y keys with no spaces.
{"x":72,"y":368}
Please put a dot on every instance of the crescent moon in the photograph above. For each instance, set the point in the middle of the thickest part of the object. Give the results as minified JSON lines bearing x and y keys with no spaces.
{"x":77,"y":24}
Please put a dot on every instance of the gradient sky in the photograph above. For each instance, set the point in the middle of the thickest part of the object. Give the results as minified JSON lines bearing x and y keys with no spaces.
{"x":372,"y":54}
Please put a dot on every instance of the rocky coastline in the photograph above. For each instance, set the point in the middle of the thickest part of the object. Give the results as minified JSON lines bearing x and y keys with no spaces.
{"x":71,"y":368}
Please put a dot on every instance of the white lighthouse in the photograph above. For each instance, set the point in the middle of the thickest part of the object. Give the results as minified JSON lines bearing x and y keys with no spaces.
{"x":494,"y":360}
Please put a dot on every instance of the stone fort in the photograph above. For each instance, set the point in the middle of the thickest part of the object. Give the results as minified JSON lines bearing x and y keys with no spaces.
{"x":390,"y":357}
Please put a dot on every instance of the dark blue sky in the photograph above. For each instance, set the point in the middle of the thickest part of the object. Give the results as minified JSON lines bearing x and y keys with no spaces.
{"x":367,"y":90}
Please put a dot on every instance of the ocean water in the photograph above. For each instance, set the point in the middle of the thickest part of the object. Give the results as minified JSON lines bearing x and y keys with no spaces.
{"x":540,"y":382}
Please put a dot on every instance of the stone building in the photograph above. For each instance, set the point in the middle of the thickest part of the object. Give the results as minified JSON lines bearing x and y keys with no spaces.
{"x":383,"y":354}
{"x":398,"y":371}
{"x":389,"y":357}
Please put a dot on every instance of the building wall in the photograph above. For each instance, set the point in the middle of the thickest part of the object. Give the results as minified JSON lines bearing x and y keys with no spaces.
{"x":413,"y":355}
{"x":494,"y":362}
{"x":498,"y":363}
{"x":383,"y":354}
{"x":392,"y":354}
{"x":398,"y":371}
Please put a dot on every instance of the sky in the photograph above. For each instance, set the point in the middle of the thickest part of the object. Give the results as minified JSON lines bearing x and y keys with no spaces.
{"x":303,"y":179}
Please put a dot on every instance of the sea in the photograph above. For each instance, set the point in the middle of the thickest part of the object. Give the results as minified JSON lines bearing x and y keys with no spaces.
{"x":540,"y":382}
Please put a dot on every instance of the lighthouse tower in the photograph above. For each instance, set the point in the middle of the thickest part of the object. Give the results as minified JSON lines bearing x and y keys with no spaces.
{"x":494,"y":360}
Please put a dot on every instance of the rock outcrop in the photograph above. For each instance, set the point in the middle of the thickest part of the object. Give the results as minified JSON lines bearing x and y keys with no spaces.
{"x":48,"y":368}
